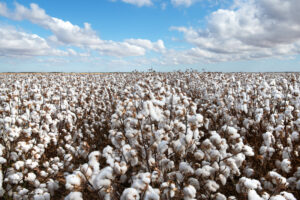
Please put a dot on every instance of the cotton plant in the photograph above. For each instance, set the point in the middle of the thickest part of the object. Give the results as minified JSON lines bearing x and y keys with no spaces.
{"x":184,"y":135}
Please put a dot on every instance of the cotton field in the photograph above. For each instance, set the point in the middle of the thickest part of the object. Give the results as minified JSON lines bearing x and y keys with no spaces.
{"x":150,"y":136}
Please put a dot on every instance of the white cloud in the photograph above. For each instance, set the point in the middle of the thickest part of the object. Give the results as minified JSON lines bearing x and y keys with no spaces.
{"x":251,"y":29}
{"x":185,"y":3}
{"x":65,"y":33}
{"x":147,"y":44}
{"x":139,"y":3}
{"x":18,"y":43}
{"x":163,"y":5}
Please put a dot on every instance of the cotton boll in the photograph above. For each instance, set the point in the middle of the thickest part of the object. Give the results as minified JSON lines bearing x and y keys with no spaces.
{"x":189,"y":137}
{"x":2,"y":160}
{"x":94,"y":160}
{"x":152,"y":194}
{"x":286,"y":165}
{"x":43,"y":173}
{"x":14,"y":156}
{"x":252,"y":195}
{"x":179,"y":147}
{"x":248,"y":151}
{"x":211,"y":185}
{"x":141,"y":181}
{"x":130,"y":194}
{"x":72,"y":180}
{"x":15,"y":178}
{"x":189,"y":192}
{"x":104,"y":178}
{"x":166,"y":164}
{"x":205,"y":171}
{"x":52,"y":186}
{"x":298,"y":185}
{"x":19,"y":164}
{"x":162,"y":147}
{"x":186,"y":169}
{"x":220,"y":196}
{"x":155,"y":177}
{"x":288,"y":196}
{"x":233,"y":133}
{"x":199,"y":155}
{"x":248,"y":172}
{"x":30,"y":177}
{"x":246,"y":184}
{"x":214,"y":155}
{"x":179,"y":177}
{"x":152,"y":162}
{"x":277,"y":178}
{"x":223,"y":179}
{"x":295,"y":136}
{"x":120,"y":168}
{"x":194,"y":182}
{"x":74,"y":196}
{"x":215,"y":138}
{"x":233,"y":166}
{"x":239,"y":159}
{"x":277,"y":197}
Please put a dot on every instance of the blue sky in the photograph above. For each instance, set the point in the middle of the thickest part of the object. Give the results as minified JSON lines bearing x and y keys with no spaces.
{"x":166,"y":35}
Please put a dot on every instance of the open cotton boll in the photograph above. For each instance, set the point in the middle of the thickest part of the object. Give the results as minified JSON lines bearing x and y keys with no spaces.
{"x":74,"y":196}
{"x":195,"y":119}
{"x":30,"y":177}
{"x":162,"y":147}
{"x":179,"y":147}
{"x":248,"y":172}
{"x":19,"y":164}
{"x":252,"y":195}
{"x":152,"y":194}
{"x":94,"y":160}
{"x":52,"y":186}
{"x":233,"y":133}
{"x":104,"y":178}
{"x":2,"y":191}
{"x":215,"y":138}
{"x":246,"y":184}
{"x":72,"y":180}
{"x":295,"y":136}
{"x":220,"y":196}
{"x":15,"y":178}
{"x":205,"y":171}
{"x":278,"y":197}
{"x":120,"y":168}
{"x":189,"y":137}
{"x":288,"y":196}
{"x":277,"y":178}
{"x":211,"y":185}
{"x":186,"y":169}
{"x":199,"y":155}
{"x":42,"y":196}
{"x":130,"y":194}
{"x":248,"y":151}
{"x":223,"y":179}
{"x":286,"y":165}
{"x":141,"y":181}
{"x":189,"y":192}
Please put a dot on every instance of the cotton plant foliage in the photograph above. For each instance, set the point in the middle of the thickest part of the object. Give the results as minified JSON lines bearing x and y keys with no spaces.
{"x":150,"y":136}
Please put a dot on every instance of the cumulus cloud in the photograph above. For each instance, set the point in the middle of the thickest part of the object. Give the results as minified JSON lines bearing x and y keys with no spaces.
{"x":65,"y":33}
{"x":18,"y":43}
{"x":139,"y":3}
{"x":251,"y":29}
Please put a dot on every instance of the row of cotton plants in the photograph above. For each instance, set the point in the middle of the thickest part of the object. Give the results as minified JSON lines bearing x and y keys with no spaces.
{"x":130,"y":136}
